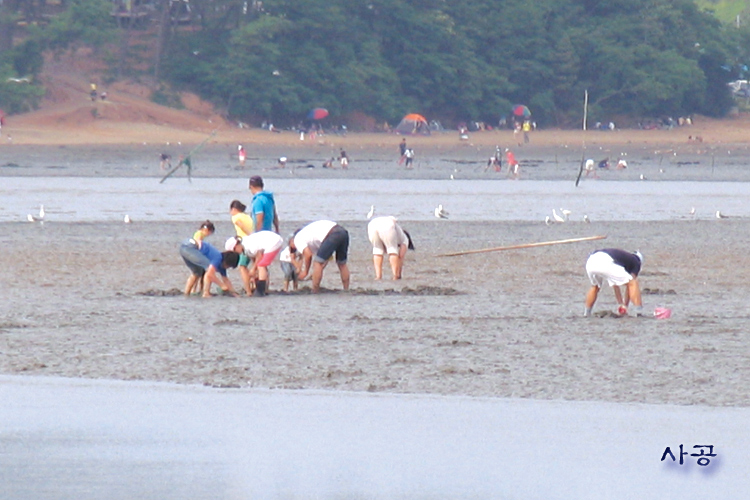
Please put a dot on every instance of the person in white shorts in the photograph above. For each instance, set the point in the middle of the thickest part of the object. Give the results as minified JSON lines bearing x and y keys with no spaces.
{"x":316,"y":243}
{"x":618,"y":268}
{"x":388,"y":237}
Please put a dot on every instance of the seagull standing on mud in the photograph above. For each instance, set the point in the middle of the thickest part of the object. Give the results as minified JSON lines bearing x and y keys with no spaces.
{"x":371,"y":212}
{"x":40,"y":218}
{"x":720,"y":215}
{"x":440,"y":213}
{"x":557,"y":216}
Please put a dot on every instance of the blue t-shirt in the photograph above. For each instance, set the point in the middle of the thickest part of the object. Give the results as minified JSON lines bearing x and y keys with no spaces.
{"x":263,"y":203}
{"x":214,"y":256}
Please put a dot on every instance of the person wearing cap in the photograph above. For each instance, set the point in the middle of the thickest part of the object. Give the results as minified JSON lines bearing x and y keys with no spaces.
{"x":387,"y":236}
{"x":204,"y":261}
{"x":618,"y":268}
{"x":261,"y":249}
{"x":316,"y":243}
{"x":263,"y":206}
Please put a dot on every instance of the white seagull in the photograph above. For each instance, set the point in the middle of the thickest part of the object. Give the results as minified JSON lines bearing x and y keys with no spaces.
{"x":371,"y":212}
{"x":440,"y":213}
{"x":692,"y":211}
{"x":586,"y":219}
{"x":720,"y":215}
{"x":127,"y":219}
{"x":557,"y":217}
{"x":547,"y":221}
{"x":39,"y":218}
{"x":566,"y":213}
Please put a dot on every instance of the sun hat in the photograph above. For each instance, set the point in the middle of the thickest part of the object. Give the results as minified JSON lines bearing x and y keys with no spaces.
{"x":231,"y":243}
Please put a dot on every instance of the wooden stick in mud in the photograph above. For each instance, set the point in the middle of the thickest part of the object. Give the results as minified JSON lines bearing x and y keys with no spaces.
{"x":524,"y":245}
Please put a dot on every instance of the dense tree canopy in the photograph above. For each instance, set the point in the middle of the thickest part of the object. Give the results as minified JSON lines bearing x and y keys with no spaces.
{"x":451,"y":61}
{"x":459,"y":60}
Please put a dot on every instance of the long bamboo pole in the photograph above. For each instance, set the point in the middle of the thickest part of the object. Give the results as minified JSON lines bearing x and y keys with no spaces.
{"x":524,"y":245}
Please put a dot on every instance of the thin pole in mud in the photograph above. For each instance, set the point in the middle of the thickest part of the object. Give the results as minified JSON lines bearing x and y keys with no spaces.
{"x":524,"y":245}
{"x":187,"y":160}
{"x":583,"y":135}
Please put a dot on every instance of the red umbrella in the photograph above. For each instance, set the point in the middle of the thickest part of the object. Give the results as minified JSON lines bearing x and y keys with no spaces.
{"x":317,"y":114}
{"x":521,"y":110}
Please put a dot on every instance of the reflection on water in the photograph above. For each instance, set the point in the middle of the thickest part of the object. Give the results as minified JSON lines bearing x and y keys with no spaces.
{"x":72,"y":199}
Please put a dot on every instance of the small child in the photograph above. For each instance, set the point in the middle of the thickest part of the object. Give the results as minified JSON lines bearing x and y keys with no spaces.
{"x":206,"y":230}
{"x":290,"y":263}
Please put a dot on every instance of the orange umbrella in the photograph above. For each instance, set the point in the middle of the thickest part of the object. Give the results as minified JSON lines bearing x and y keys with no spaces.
{"x":415,"y":117}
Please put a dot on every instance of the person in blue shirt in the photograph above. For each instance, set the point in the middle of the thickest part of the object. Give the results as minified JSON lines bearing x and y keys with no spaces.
{"x":204,"y":262}
{"x":263,"y":207}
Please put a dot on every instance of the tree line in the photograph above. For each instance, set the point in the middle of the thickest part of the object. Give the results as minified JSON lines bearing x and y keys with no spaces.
{"x":452,"y":61}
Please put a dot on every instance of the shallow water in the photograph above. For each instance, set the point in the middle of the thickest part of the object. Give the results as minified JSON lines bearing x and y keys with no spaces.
{"x":85,"y":199}
{"x":101,"y":440}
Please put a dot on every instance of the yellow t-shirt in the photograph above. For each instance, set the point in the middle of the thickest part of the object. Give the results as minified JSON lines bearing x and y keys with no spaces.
{"x":198,"y":235}
{"x":245,"y":220}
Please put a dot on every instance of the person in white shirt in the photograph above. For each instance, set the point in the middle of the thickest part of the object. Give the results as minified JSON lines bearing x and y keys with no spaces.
{"x":316,"y":243}
{"x":388,"y":237}
{"x":261,"y":249}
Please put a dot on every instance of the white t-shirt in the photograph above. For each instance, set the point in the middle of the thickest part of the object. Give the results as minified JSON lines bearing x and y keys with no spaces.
{"x":312,"y":235}
{"x":285,"y":255}
{"x":268,"y":241}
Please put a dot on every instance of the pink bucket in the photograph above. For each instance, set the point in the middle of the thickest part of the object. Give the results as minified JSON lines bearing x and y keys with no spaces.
{"x":662,"y":313}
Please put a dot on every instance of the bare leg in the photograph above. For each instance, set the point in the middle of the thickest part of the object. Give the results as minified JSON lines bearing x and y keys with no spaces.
{"x":634,"y":292}
{"x":377,"y":261}
{"x":245,"y":274}
{"x":317,"y":276}
{"x":344,"y":271}
{"x":591,"y":296}
{"x":395,"y":266}
{"x":401,"y":256}
{"x":190,"y":283}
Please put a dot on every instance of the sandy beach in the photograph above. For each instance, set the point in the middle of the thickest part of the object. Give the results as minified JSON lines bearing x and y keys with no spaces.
{"x":97,"y":300}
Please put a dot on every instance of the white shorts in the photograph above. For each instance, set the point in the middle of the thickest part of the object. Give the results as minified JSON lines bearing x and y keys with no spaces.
{"x":600,"y":266}
{"x":386,"y":238}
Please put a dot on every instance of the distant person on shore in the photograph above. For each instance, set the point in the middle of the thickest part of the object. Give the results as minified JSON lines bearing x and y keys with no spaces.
{"x":165,"y":161}
{"x":264,"y":213}
{"x":329,"y":163}
{"x":261,"y":249}
{"x":589,"y":167}
{"x":604,"y":164}
{"x":402,"y":151}
{"x":316,"y":243}
{"x":618,"y":268}
{"x":241,"y":156}
{"x":282,"y":162}
{"x":514,"y":169}
{"x":526,"y":129}
{"x":93,"y":94}
{"x":409,"y":158}
{"x":343,"y":159}
{"x":387,"y":237}
{"x":495,"y":161}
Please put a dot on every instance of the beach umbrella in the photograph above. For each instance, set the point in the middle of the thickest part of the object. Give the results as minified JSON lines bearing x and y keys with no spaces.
{"x":521,"y":111}
{"x":317,"y":114}
{"x":414,"y":117}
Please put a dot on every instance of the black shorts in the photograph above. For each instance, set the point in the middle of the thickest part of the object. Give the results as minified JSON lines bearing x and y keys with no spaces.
{"x":336,"y":241}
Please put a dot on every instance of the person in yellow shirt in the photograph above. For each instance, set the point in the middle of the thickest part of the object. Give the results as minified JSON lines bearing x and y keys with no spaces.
{"x":243,"y":225}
